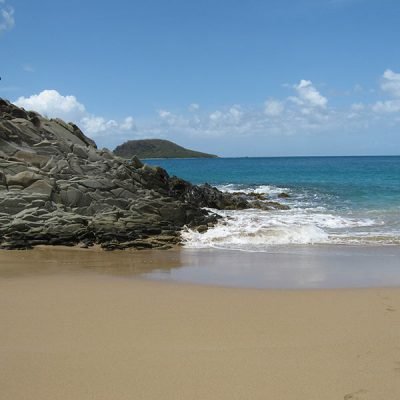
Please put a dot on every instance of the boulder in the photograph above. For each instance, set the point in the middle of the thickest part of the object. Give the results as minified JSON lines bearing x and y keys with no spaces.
{"x":80,"y":151}
{"x":40,"y":187}
{"x":24,"y":179}
{"x":73,"y":197}
{"x":31,"y":158}
{"x":136,"y":163}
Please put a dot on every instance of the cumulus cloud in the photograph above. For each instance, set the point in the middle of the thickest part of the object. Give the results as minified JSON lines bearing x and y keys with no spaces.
{"x":216,"y":115}
{"x":231,"y":116}
{"x":164,"y":114}
{"x":305,"y":112}
{"x":390,"y":83}
{"x":127,"y":124}
{"x":388,"y":106}
{"x":7,"y":20}
{"x":235,"y":113}
{"x":96,"y":125}
{"x":273,"y":108}
{"x":308,"y":95}
{"x":54,"y":105}
{"x":274,"y":118}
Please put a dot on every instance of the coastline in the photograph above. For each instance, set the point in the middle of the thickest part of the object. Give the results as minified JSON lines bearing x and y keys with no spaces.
{"x":75,"y":328}
{"x":301,"y":267}
{"x":283,"y":267}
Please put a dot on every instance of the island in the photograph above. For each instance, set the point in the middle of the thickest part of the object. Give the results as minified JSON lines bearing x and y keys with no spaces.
{"x":157,"y":148}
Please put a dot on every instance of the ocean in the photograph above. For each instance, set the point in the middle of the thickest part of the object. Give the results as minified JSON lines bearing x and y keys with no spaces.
{"x":333,"y":201}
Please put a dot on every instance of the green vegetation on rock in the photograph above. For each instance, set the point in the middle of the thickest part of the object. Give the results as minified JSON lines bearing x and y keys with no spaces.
{"x":157,"y":148}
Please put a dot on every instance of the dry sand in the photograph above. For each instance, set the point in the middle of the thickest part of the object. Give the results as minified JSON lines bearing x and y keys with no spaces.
{"x":79,"y":335}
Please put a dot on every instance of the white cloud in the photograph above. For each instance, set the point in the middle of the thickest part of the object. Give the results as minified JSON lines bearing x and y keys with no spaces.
{"x":307,"y":112}
{"x":390,"y":83}
{"x":216,"y":115}
{"x":273,"y":108}
{"x":7,"y":20}
{"x":388,"y":106}
{"x":164,"y":114}
{"x":127,"y":124}
{"x":193,"y":107}
{"x":234,"y":113}
{"x":231,"y":116}
{"x":95,"y":125}
{"x":308,"y":95}
{"x":54,"y":105}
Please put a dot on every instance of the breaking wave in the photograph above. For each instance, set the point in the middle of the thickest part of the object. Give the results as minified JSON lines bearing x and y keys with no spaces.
{"x":310,"y":220}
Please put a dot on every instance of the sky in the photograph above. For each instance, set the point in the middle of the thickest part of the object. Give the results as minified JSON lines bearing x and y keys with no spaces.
{"x":233,"y":78}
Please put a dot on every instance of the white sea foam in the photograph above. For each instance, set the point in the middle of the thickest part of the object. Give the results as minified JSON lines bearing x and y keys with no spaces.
{"x":313,"y":218}
{"x":255,"y":230}
{"x":268,"y":190}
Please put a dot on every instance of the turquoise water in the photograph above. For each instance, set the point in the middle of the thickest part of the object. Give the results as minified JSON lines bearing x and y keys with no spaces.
{"x":333,"y":200}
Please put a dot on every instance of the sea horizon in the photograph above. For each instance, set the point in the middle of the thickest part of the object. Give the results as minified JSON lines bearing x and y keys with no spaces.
{"x":296,"y":156}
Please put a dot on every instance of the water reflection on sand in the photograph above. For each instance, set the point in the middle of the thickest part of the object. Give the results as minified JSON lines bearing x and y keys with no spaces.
{"x":298,"y":267}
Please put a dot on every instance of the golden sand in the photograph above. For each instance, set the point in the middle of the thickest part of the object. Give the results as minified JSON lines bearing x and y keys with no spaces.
{"x":77,"y":335}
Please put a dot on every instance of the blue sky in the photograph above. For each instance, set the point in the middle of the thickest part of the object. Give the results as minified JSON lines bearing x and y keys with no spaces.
{"x":254,"y":78}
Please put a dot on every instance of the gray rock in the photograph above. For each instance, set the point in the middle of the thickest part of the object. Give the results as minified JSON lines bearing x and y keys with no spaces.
{"x":80,"y":151}
{"x":24,"y":178}
{"x":31,"y":158}
{"x":93,"y":155}
{"x":136,"y":163}
{"x":3,"y":179}
{"x":202,"y":228}
{"x":40,"y":187}
{"x":73,"y":197}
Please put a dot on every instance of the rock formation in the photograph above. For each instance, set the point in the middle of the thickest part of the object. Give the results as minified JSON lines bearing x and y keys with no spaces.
{"x":56,"y":187}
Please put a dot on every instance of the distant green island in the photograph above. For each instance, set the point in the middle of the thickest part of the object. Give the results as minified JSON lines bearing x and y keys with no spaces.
{"x":157,"y":148}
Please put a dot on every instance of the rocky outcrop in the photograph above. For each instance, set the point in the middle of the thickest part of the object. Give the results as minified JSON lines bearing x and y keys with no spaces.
{"x":56,"y":187}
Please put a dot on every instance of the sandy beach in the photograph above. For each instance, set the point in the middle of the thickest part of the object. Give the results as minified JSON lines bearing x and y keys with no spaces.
{"x":82,"y":335}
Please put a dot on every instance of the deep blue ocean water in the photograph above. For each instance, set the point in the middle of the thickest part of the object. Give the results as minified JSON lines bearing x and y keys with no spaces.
{"x":333,"y":200}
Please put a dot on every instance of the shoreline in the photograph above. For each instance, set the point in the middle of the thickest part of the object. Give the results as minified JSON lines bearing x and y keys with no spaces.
{"x":284,"y":268}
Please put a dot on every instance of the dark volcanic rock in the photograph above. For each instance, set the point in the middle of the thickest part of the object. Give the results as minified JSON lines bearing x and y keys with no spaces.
{"x":56,"y":187}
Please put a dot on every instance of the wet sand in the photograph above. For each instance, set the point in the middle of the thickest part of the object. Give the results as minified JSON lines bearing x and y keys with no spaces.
{"x":80,"y":333}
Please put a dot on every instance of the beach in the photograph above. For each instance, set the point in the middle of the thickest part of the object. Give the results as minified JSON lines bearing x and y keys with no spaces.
{"x":77,"y":333}
{"x":200,"y":200}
